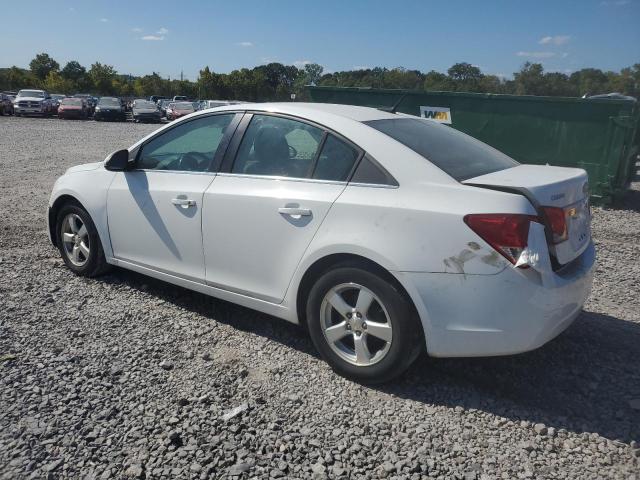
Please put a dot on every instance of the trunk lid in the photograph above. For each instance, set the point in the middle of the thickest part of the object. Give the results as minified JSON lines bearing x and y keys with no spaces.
{"x":547,"y":186}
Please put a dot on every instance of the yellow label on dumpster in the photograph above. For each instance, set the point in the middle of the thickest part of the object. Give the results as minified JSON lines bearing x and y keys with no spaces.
{"x":439,"y":114}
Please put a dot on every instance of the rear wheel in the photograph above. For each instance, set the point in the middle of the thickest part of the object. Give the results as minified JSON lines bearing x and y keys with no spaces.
{"x":79,"y":243}
{"x":362,"y":325}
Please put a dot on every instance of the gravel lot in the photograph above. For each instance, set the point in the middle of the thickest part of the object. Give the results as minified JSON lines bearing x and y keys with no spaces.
{"x":126,"y":377}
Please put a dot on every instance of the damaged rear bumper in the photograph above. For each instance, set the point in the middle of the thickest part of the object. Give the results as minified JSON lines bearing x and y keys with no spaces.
{"x":513,"y":311}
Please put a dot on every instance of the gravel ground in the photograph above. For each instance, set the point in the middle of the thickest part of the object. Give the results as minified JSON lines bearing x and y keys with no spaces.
{"x":126,"y":377}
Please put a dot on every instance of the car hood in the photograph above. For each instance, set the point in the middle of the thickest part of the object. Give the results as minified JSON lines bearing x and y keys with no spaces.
{"x":85,"y":167}
{"x":110,"y":109}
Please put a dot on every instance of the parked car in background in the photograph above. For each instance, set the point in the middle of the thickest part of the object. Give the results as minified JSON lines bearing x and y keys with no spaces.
{"x":56,"y":98}
{"x":33,"y":102}
{"x":73,"y":108}
{"x":385,"y":235}
{"x":163,"y":104}
{"x":156,"y":98}
{"x":180,"y":98}
{"x":109,"y":108}
{"x":90,"y":100}
{"x":146,"y":111}
{"x":179,"y":109}
{"x":6,"y":104}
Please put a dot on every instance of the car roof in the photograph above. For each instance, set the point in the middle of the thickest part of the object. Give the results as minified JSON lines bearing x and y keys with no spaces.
{"x":307,"y":110}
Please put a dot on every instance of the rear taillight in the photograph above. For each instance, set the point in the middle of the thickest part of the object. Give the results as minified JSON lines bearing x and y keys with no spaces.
{"x":506,"y":232}
{"x":557,"y":221}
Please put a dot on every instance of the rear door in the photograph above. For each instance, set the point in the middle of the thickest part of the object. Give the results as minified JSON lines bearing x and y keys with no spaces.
{"x":263,"y":210}
{"x":155,"y":210}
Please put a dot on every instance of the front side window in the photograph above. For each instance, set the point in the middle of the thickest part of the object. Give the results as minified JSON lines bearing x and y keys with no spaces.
{"x":190,"y":146}
{"x":278,"y":146}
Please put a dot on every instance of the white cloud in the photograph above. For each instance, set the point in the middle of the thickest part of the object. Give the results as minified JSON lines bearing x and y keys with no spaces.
{"x":245,"y":44}
{"x":536,"y":54}
{"x":136,"y":30}
{"x":104,"y":20}
{"x":156,"y":38}
{"x":555,"y":40}
{"x":302,"y":63}
{"x":564,"y":54}
{"x":361,"y":67}
{"x":71,"y":9}
{"x":162,"y":31}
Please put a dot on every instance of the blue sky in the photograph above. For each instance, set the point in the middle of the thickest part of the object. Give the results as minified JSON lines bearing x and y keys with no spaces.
{"x":142,"y":36}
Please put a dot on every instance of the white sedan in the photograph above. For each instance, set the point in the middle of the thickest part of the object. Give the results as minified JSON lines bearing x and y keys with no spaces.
{"x":384,"y":234}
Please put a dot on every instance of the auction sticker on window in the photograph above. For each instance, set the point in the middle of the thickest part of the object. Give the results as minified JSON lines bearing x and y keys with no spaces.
{"x":439,"y":114}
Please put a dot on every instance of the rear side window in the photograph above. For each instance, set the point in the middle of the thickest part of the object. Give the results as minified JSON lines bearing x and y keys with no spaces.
{"x":454,"y":152}
{"x":276,"y":146}
{"x":335,"y":161}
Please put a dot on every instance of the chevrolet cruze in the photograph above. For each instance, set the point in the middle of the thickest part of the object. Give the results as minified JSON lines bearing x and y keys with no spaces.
{"x":383,"y":234}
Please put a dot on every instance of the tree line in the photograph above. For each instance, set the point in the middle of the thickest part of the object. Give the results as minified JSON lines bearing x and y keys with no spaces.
{"x":276,"y":82}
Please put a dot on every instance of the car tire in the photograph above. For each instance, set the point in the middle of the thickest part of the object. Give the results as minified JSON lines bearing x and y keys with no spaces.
{"x":398,"y":337}
{"x":84,"y":254}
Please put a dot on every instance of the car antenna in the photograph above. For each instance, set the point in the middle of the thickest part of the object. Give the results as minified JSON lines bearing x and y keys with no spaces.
{"x":395,"y":106}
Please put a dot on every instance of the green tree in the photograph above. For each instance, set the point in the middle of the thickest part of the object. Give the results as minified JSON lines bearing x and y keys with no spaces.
{"x":466,"y":77}
{"x":530,"y":80}
{"x":312,"y":73}
{"x":42,"y":64}
{"x":436,"y":81}
{"x":73,"y":71}
{"x":102,"y":77}
{"x":56,"y":83}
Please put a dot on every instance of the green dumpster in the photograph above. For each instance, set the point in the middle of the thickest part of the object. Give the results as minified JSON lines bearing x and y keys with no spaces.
{"x":599,"y":135}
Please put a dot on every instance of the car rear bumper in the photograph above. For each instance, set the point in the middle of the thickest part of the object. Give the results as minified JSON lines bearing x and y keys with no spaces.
{"x":72,"y":114}
{"x":510,"y":312}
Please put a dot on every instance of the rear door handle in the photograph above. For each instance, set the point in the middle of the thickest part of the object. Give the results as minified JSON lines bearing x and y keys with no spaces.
{"x":183,"y":202}
{"x":294,"y":211}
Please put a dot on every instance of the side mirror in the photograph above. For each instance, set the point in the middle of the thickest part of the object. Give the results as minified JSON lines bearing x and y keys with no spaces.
{"x":118,"y":161}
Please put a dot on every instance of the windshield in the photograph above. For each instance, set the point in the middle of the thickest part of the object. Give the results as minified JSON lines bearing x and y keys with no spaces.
{"x":144,"y":104}
{"x":72,"y":101}
{"x":31,"y":93}
{"x":458,"y":154}
{"x":183,"y":106}
{"x":109,"y":102}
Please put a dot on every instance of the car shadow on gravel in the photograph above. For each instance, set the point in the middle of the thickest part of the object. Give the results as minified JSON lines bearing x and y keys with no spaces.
{"x":583,"y":381}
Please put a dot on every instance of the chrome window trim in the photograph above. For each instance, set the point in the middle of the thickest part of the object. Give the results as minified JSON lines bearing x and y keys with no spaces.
{"x":282,"y":178}
{"x":185,"y":172}
{"x":373,"y":185}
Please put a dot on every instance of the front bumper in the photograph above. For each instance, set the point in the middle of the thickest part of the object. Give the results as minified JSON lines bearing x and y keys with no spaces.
{"x":107,"y":115}
{"x":29,"y":111}
{"x":510,"y":312}
{"x":144,"y":117}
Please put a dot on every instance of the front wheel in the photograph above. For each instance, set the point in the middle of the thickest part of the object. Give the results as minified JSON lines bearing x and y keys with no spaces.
{"x":362,"y":325}
{"x":79,"y":243}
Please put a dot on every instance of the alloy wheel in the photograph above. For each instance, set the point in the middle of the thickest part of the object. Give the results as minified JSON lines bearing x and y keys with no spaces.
{"x":75,"y":240}
{"x":356,"y":324}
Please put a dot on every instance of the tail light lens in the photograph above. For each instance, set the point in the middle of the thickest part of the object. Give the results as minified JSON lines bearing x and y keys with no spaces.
{"x":506,"y":232}
{"x":557,"y":222}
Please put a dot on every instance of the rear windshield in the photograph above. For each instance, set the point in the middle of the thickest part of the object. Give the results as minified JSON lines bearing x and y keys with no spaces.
{"x":72,"y":101}
{"x":458,"y":154}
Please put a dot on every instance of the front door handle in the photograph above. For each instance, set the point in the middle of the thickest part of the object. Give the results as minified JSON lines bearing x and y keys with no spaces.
{"x":294,"y":211}
{"x":183,"y":202}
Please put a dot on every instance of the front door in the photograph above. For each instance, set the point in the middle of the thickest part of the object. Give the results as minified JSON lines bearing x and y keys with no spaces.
{"x":155,"y":210}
